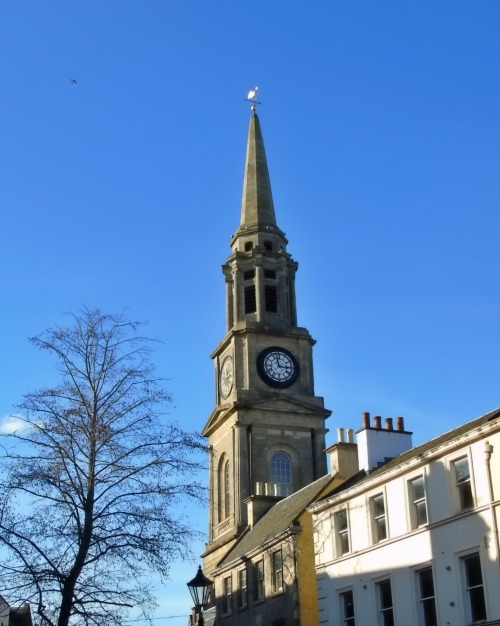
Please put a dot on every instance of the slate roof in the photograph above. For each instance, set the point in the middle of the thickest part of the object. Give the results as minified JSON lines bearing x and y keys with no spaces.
{"x":277,"y":520}
{"x":416,"y":451}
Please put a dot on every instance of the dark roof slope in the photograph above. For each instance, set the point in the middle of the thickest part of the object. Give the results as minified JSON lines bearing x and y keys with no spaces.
{"x":277,"y":520}
{"x":20,"y":616}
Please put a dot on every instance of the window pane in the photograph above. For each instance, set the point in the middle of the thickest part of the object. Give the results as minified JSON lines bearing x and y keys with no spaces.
{"x":465,"y":493}
{"x":462,"y":469}
{"x":477,"y":604}
{"x":385,"y":599}
{"x":426,"y":583}
{"x":385,"y":595}
{"x":378,"y":505}
{"x":342,"y":520}
{"x":243,"y":591}
{"x":421,"y":511}
{"x":418,"y":489}
{"x":429,"y":612}
{"x":475,"y":590}
{"x":427,"y":599}
{"x":259,"y":580}
{"x":473,"y":570}
{"x":348,"y":607}
{"x":381,"y":529}
{"x":277,"y":571}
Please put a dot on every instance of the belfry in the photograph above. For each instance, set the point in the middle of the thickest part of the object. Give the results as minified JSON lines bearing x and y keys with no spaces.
{"x":267,"y":432}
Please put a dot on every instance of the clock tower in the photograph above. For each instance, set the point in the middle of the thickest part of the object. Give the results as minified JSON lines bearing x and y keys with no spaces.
{"x":266,"y":434}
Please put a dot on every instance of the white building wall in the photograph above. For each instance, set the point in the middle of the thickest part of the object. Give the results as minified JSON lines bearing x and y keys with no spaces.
{"x":440,"y":544}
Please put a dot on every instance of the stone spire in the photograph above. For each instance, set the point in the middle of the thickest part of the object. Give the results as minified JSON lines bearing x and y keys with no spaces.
{"x":257,"y":207}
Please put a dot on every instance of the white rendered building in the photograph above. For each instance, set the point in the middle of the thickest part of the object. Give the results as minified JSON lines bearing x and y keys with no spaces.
{"x":411,"y":538}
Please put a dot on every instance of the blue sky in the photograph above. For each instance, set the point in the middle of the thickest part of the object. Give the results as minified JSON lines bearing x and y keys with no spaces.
{"x":381,"y":124}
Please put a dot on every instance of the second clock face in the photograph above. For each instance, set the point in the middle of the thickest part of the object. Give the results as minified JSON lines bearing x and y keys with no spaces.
{"x":277,"y":367}
{"x":226,"y":377}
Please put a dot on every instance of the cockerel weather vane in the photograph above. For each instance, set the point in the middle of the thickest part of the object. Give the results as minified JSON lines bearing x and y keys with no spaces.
{"x":252,"y":97}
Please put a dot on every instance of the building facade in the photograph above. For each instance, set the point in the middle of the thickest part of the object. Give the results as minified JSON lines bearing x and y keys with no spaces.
{"x":412,"y":538}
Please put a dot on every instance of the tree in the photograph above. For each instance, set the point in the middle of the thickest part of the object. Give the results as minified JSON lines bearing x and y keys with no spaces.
{"x":91,"y":483}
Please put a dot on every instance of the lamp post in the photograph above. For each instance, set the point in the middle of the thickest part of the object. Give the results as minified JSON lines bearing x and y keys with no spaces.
{"x":200,"y":588}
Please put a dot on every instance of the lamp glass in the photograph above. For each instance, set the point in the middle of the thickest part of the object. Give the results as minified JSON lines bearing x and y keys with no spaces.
{"x":200,"y":588}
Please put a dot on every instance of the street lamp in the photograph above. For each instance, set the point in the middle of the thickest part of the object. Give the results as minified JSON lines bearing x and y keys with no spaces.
{"x":200,"y":588}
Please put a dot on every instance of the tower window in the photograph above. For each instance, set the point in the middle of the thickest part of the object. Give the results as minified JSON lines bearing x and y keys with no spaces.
{"x":248,"y":275}
{"x":224,"y":493}
{"x":269,"y":274}
{"x":248,"y":246}
{"x":271,"y":296}
{"x":250,"y":301}
{"x":281,"y":473}
{"x":227,"y":493}
{"x":268,"y":245}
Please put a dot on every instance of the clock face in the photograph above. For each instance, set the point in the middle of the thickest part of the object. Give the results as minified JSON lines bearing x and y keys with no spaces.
{"x":277,"y":367}
{"x":226,"y":377}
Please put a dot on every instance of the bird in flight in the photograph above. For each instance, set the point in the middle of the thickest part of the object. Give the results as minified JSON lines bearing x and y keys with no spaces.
{"x":73,"y":81}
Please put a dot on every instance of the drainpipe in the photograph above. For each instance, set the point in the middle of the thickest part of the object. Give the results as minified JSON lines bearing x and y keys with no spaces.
{"x":488,"y":449}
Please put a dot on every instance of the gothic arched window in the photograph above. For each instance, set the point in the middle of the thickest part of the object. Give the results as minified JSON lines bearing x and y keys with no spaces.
{"x":281,"y":473}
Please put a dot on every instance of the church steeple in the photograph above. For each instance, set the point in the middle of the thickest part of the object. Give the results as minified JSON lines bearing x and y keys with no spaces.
{"x":257,"y":207}
{"x":267,"y":431}
{"x":260,"y":274}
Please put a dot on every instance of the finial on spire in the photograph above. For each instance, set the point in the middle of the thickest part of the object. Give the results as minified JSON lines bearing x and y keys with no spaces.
{"x":252,"y":97}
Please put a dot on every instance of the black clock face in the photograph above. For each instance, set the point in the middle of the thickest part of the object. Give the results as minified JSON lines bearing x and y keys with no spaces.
{"x":277,"y":367}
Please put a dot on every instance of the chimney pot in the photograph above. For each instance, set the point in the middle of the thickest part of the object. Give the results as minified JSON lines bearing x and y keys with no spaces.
{"x":388,"y":423}
{"x":365,"y":420}
{"x":350,"y":435}
{"x":400,"y":423}
{"x":377,"y":421}
{"x":340,"y":435}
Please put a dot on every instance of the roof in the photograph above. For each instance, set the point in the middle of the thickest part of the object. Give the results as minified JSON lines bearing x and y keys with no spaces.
{"x":20,"y":616}
{"x":417,"y":451}
{"x":277,"y":520}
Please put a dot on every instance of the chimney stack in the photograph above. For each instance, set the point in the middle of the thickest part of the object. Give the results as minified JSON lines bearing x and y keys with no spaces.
{"x":377,"y":445}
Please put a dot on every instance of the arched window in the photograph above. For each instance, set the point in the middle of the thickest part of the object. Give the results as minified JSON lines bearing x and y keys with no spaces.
{"x":281,"y":473}
{"x":224,"y":491}
{"x":227,"y":492}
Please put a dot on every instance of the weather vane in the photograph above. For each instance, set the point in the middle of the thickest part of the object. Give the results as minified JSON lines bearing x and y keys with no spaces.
{"x":252,"y":97}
